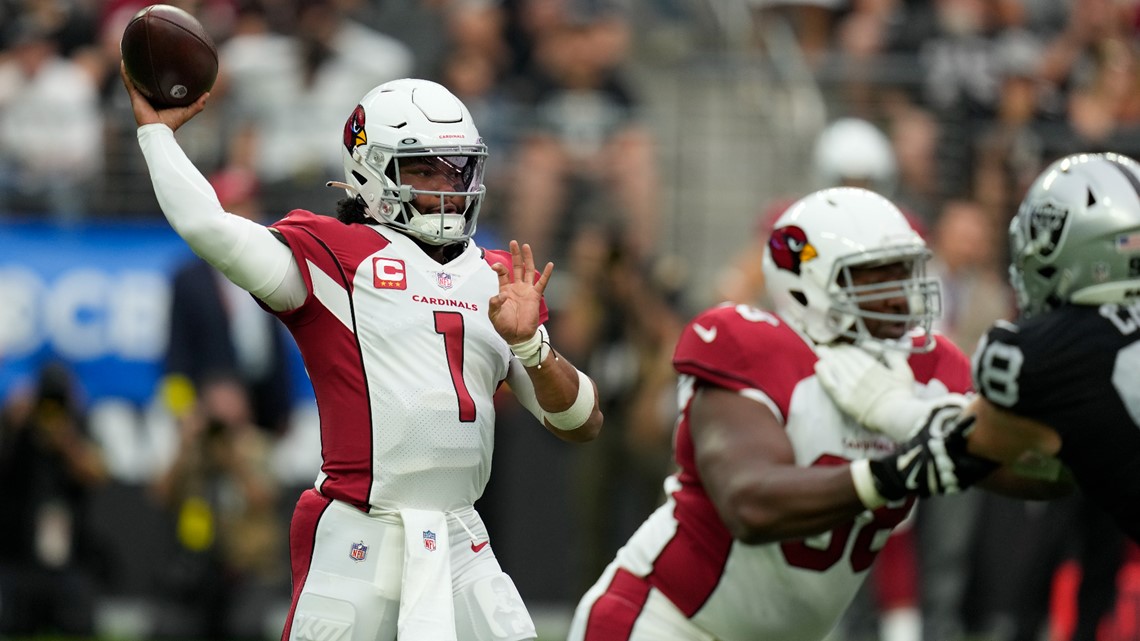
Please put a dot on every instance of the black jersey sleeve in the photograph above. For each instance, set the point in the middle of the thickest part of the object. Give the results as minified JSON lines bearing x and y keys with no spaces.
{"x":1047,"y":367}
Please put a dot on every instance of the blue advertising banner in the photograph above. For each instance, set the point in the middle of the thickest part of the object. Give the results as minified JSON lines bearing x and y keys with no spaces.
{"x":96,"y":296}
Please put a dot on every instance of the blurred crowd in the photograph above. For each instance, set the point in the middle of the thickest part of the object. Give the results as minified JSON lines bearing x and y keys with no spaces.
{"x":948,"y":107}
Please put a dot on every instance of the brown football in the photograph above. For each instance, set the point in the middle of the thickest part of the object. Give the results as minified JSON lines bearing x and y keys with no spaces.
{"x":169,"y":56}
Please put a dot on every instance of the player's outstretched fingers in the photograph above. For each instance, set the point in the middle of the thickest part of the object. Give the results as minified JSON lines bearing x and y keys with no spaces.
{"x":528,"y":261}
{"x":516,"y":260}
{"x":503,"y":273}
{"x":544,"y":278}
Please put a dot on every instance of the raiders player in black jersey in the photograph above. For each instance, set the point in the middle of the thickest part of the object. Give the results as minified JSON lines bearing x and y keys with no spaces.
{"x":1058,"y":391}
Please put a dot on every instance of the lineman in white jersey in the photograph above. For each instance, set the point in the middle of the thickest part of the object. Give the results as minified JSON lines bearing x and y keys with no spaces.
{"x":782,"y":501}
{"x":407,"y":329}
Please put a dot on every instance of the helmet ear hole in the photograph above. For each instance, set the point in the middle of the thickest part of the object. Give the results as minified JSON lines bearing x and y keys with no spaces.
{"x":1047,"y":272}
{"x":359,"y":177}
{"x":799,"y":297}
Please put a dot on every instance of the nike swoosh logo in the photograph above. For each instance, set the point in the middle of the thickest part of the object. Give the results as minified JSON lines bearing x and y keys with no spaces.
{"x":477,"y":548}
{"x":706,"y":334}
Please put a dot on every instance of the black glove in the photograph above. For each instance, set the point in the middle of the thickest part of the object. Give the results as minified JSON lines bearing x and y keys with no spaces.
{"x":934,"y":461}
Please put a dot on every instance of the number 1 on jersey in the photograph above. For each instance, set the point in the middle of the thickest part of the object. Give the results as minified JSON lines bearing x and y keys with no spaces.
{"x":450,"y":326}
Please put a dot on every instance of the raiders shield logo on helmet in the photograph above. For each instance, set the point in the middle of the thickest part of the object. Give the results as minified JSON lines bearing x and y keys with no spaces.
{"x":1046,"y":224}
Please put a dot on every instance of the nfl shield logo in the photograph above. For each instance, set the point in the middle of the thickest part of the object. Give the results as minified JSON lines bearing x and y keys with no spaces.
{"x":358,"y":551}
{"x":429,"y":540}
{"x":443,"y":279}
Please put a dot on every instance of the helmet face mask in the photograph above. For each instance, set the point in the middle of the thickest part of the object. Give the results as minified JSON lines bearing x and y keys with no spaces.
{"x":414,"y":158}
{"x":1076,"y":235}
{"x":435,"y":197}
{"x":843,"y":263}
{"x":899,"y":300}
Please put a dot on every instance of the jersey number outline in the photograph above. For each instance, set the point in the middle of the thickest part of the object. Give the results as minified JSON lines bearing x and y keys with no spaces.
{"x":999,"y":367}
{"x":756,"y":315}
{"x":822,"y":551}
{"x":450,"y":326}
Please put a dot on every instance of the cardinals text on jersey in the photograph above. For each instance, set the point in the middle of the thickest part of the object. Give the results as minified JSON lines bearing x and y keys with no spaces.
{"x":404,"y":363}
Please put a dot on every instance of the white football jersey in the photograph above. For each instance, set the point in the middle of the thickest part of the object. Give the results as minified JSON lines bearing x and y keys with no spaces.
{"x":684,"y":559}
{"x":404,"y":363}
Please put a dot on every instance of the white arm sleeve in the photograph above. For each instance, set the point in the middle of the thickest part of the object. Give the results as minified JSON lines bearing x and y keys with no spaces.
{"x":523,"y":388}
{"x":245,"y":251}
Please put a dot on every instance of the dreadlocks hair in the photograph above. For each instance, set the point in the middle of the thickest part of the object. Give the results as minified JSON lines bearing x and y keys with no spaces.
{"x":351,"y":210}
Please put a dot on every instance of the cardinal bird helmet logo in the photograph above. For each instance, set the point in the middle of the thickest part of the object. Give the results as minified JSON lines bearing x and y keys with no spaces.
{"x":354,"y":135}
{"x":790,"y":248}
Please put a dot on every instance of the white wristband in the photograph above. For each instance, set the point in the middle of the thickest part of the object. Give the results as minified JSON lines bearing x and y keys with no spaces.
{"x":534,"y":350}
{"x":865,"y":484}
{"x":579,"y":411}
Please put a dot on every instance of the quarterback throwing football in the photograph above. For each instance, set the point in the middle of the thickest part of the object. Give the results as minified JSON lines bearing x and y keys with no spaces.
{"x":407,"y":329}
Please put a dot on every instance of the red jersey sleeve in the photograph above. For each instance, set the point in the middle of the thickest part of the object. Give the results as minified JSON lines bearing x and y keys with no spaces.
{"x":945,"y":363}
{"x":333,"y":247}
{"x":738,"y":347}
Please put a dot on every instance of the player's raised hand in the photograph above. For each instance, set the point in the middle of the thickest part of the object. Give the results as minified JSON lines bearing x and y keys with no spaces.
{"x":146,"y":114}
{"x":514,"y":311}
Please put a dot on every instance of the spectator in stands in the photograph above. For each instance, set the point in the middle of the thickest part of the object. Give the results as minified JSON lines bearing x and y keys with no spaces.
{"x":586,"y":158}
{"x":1069,"y":50}
{"x":848,"y":152}
{"x":51,"y":137}
{"x":916,"y":137}
{"x":48,"y":467}
{"x":474,"y":67}
{"x":219,"y":333}
{"x":416,"y":24}
{"x":957,"y":59}
{"x":230,"y":540}
{"x":479,"y":26}
{"x":1106,"y":98}
{"x":811,"y":21}
{"x":1010,"y":150}
{"x":974,"y":292}
{"x":960,"y":83}
{"x":288,"y":94}
{"x":474,"y":77}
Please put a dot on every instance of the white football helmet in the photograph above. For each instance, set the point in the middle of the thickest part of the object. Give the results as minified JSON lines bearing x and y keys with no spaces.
{"x":853,"y":149}
{"x":1076,"y":235}
{"x":405,"y":119}
{"x":815,"y":245}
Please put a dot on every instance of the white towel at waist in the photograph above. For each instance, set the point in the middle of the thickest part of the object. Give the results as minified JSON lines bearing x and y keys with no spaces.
{"x":427,"y":612}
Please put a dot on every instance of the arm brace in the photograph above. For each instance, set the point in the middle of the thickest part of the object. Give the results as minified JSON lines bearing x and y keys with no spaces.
{"x":579,"y":411}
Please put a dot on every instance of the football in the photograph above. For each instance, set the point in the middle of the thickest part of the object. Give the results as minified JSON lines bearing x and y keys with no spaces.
{"x":169,"y":56}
